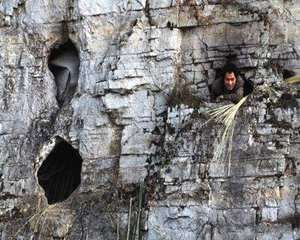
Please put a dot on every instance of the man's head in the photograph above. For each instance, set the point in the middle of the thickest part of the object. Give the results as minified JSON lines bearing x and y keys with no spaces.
{"x":229,"y":81}
{"x":230,"y":77}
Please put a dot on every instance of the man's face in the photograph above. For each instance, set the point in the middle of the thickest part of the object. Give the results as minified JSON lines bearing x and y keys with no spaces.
{"x":229,"y":81}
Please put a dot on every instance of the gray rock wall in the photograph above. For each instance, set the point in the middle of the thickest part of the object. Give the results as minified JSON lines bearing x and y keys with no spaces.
{"x":138,"y":118}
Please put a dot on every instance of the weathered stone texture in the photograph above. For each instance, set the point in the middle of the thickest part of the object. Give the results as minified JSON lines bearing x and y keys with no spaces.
{"x":139,"y":119}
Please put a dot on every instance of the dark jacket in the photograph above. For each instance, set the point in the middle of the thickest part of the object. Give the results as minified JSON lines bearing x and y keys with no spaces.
{"x":218,"y":88}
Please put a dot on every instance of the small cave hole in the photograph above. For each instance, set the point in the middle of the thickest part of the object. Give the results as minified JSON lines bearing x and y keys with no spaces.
{"x":59,"y":174}
{"x":248,"y":87}
{"x":64,"y":63}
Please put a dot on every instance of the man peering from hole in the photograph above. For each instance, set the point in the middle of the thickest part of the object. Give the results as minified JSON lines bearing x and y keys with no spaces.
{"x":230,"y":87}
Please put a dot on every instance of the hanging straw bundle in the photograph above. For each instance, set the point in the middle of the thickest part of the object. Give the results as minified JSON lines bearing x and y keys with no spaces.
{"x":293,"y":80}
{"x":226,"y":115}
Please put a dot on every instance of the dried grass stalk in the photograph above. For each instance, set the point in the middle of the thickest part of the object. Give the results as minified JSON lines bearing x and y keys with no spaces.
{"x":34,"y":219}
{"x":226,"y":115}
{"x":293,"y":80}
{"x":129,"y":218}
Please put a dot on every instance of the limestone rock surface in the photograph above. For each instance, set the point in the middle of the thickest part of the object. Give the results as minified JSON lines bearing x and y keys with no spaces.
{"x":138,"y":118}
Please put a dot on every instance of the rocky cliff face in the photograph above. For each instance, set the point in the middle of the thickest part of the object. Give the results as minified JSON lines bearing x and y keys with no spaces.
{"x":127,"y":84}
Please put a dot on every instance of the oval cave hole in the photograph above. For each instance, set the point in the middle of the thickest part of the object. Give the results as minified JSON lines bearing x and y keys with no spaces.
{"x":59,"y":174}
{"x":64,"y":63}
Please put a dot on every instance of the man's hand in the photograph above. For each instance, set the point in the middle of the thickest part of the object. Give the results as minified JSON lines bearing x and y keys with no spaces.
{"x":220,"y":98}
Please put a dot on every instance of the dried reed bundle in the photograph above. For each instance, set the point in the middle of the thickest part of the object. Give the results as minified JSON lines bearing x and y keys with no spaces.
{"x":226,"y":115}
{"x":293,"y":80}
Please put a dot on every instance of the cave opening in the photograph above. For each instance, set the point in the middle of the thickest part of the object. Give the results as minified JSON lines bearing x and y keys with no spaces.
{"x":64,"y":64}
{"x":248,"y":87}
{"x":60,"y":173}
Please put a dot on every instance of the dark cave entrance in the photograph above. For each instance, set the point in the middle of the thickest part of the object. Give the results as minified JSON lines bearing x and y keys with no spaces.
{"x":64,"y":63}
{"x":60,"y":173}
{"x":248,"y":87}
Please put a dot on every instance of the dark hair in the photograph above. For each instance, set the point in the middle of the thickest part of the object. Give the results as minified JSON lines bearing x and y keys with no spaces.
{"x":288,"y":73}
{"x":229,"y":68}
